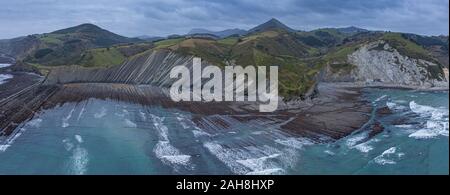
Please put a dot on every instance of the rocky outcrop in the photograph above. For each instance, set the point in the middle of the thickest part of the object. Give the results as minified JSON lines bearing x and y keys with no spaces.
{"x":378,"y":62}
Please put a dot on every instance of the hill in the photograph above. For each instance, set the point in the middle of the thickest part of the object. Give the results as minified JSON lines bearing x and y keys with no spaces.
{"x":272,"y":24}
{"x":64,"y":46}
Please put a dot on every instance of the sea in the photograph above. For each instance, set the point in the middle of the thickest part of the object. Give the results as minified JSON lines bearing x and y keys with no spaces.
{"x":109,"y":137}
{"x":5,"y":77}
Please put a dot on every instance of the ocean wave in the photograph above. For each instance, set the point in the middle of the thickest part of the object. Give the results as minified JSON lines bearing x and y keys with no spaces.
{"x":5,"y":77}
{"x":404,"y":126}
{"x":381,"y":98}
{"x":394,"y":106}
{"x":65,"y":120}
{"x":100,"y":114}
{"x":83,"y":109}
{"x":163,"y":131}
{"x":329,"y":152}
{"x":68,"y":145}
{"x":249,"y":160}
{"x":2,"y":65}
{"x":36,"y":123}
{"x":436,"y":121}
{"x":183,"y":123}
{"x":200,"y":133}
{"x":363,"y":147}
{"x":386,"y":157}
{"x":79,"y":138}
{"x":10,"y":140}
{"x":142,"y":115}
{"x":296,"y":143}
{"x":170,"y":155}
{"x":355,"y":139}
{"x":78,"y":161}
{"x":130,"y":124}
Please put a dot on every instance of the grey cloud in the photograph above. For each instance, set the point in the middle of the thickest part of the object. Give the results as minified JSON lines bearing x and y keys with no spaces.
{"x":163,"y":17}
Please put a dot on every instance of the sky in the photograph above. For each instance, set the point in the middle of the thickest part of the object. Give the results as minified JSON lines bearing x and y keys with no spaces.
{"x":165,"y":17}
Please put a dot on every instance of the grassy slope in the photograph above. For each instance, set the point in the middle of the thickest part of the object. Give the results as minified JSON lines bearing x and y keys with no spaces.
{"x":104,"y":57}
{"x":262,"y":49}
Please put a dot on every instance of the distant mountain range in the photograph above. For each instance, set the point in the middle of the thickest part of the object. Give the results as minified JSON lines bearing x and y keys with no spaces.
{"x":221,"y":34}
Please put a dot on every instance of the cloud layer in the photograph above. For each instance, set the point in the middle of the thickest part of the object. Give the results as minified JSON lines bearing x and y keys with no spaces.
{"x":164,"y":17}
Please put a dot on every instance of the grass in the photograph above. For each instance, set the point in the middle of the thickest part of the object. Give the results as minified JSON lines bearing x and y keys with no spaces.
{"x":228,"y":41}
{"x":102,"y":57}
{"x":51,"y":40}
{"x":406,"y":47}
{"x":341,"y":54}
{"x":167,"y":43}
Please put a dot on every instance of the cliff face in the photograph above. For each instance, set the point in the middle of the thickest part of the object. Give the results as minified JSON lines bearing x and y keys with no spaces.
{"x":380,"y":62}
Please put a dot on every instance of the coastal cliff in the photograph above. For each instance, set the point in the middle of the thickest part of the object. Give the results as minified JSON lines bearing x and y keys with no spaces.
{"x":379,"y":63}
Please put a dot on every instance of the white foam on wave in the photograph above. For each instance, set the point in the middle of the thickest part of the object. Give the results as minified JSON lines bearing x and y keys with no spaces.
{"x":380,"y":98}
{"x":170,"y":155}
{"x":200,"y":133}
{"x":130,"y":124}
{"x":65,"y":120}
{"x":83,"y":109}
{"x":436,"y":124}
{"x":163,"y":131}
{"x":34,"y":123}
{"x":142,"y":115}
{"x":68,"y":145}
{"x":5,"y":77}
{"x":165,"y":151}
{"x":182,"y":122}
{"x":258,"y":165}
{"x":329,"y":152}
{"x":355,"y":139}
{"x":78,"y":161}
{"x":356,"y":142}
{"x":400,"y":101}
{"x":248,"y":160}
{"x":10,"y":140}
{"x":296,"y":143}
{"x":274,"y":171}
{"x":363,"y":147}
{"x":79,"y":138}
{"x":383,"y":159}
{"x":394,"y":106}
{"x":404,"y":126}
{"x":100,"y":114}
{"x":3,"y":65}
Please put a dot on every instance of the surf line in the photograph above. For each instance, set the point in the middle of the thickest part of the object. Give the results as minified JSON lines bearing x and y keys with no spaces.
{"x":239,"y":84}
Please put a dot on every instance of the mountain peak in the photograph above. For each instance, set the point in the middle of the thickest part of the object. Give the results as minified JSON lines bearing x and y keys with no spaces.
{"x":85,"y":28}
{"x":272,"y":24}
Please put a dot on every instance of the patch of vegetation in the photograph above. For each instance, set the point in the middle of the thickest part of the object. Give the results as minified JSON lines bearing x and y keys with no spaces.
{"x":42,"y":52}
{"x":344,"y":67}
{"x":406,"y":47}
{"x":51,"y":40}
{"x":229,"y":41}
{"x":341,"y":54}
{"x":167,"y":43}
{"x":103,"y":57}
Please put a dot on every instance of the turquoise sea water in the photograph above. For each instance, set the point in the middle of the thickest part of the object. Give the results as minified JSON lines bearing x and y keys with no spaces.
{"x":106,"y":137}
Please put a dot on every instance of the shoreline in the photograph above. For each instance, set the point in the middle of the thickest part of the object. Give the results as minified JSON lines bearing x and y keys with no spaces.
{"x":327,"y":118}
{"x":387,"y":86}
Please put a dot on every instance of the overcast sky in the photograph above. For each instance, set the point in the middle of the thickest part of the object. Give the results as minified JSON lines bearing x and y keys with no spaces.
{"x":164,"y":17}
